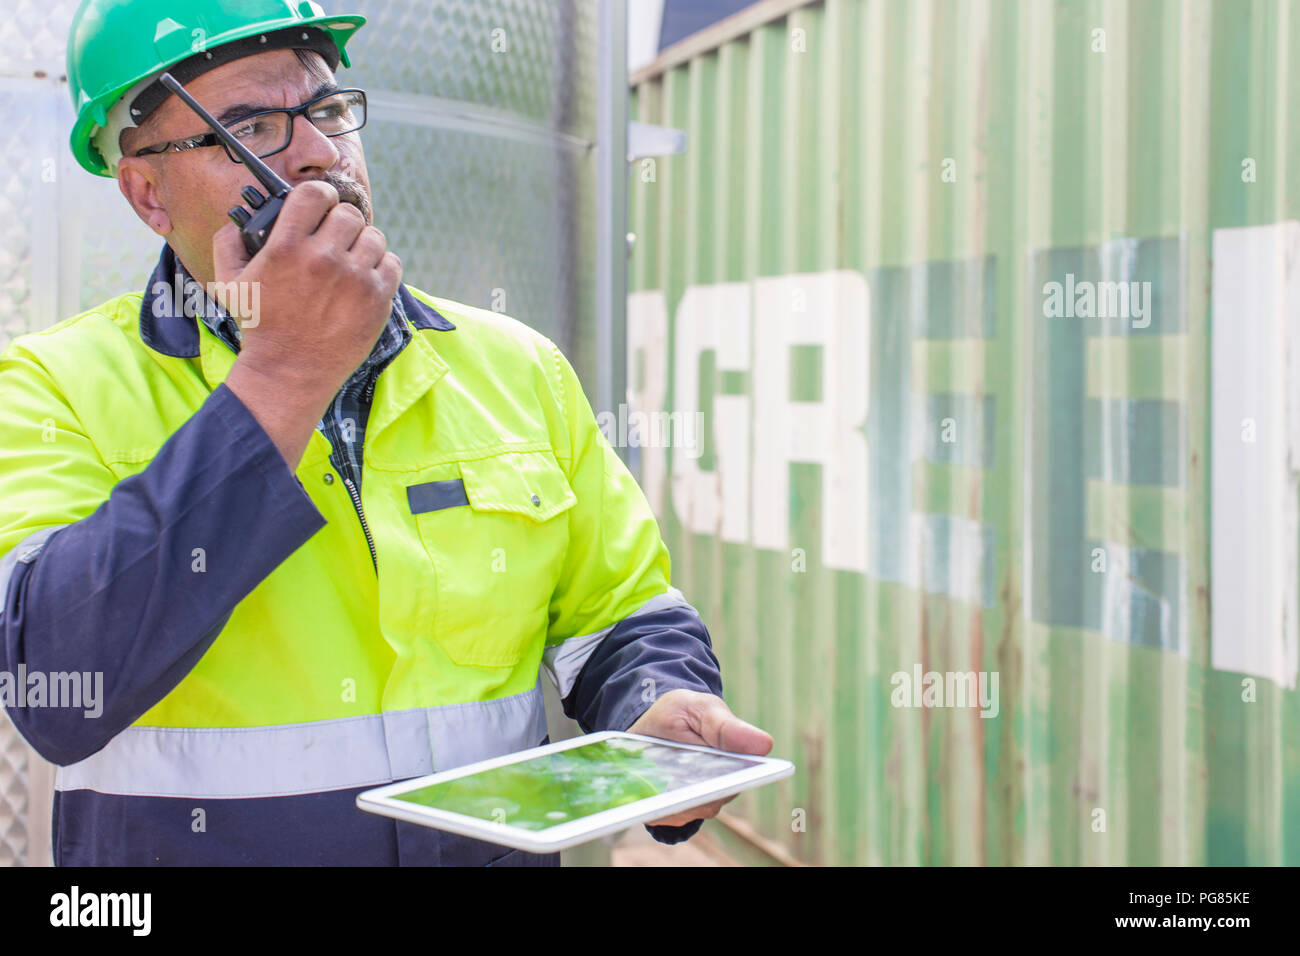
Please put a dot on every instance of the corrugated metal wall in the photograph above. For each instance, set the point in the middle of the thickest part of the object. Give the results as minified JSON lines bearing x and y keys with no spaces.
{"x":481,"y":151}
{"x":920,"y":455}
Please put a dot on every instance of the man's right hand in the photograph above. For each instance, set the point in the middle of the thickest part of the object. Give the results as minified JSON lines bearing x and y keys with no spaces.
{"x":326,"y":282}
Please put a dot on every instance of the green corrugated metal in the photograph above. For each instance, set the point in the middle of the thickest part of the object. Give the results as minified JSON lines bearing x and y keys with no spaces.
{"x":816,"y":149}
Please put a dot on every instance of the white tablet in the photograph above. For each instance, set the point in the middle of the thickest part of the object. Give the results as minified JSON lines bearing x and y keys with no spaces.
{"x":557,"y":796}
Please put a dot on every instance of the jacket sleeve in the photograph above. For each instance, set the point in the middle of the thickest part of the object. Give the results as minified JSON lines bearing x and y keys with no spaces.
{"x":620,"y":636}
{"x":102,"y":577}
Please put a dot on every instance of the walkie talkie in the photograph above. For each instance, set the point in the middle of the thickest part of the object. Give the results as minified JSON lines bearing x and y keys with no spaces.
{"x":254,"y":226}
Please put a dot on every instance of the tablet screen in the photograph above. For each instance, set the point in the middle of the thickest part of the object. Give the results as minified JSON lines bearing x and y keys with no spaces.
{"x":545,"y":791}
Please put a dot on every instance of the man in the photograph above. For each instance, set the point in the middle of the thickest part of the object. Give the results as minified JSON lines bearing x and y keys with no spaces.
{"x":317,"y":542}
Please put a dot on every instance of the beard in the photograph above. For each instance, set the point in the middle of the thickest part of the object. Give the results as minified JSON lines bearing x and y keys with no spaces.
{"x":351,"y":191}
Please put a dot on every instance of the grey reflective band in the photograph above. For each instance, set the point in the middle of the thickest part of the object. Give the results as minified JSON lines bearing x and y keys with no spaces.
{"x":26,"y":552}
{"x":564,"y":662}
{"x":288,"y":759}
{"x":436,"y":495}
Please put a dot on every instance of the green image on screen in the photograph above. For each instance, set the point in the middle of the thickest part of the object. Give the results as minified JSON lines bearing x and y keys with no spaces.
{"x":558,"y":788}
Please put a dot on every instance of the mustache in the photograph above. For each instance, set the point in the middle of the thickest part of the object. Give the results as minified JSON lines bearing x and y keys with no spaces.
{"x":351,"y":191}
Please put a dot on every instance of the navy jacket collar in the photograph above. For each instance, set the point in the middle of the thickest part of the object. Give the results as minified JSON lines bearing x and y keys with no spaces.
{"x":166,"y":328}
{"x":422,"y":316}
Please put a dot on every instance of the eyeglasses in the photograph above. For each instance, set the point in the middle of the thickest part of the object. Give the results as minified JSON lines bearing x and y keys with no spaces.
{"x":267,"y":132}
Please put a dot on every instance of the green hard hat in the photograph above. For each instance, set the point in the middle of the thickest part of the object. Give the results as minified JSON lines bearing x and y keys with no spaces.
{"x":114,"y":44}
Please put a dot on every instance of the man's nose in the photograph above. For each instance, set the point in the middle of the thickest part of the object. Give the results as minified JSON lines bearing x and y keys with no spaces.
{"x":309,"y":152}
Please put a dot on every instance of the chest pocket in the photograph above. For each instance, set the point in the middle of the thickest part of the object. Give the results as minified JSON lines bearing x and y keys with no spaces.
{"x":497,"y":540}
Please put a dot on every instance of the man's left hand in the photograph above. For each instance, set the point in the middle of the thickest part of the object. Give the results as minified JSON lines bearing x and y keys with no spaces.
{"x":690,"y":717}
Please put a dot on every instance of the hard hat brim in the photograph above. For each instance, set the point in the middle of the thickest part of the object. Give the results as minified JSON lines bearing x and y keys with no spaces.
{"x":93,"y":115}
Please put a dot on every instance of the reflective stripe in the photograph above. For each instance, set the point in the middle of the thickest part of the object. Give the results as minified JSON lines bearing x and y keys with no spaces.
{"x":287,"y":759}
{"x":565,"y":661}
{"x":25,"y":553}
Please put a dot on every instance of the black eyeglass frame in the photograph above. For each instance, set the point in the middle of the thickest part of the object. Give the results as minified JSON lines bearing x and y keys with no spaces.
{"x":211,"y":139}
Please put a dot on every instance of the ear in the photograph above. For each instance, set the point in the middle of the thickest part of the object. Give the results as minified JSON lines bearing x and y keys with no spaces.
{"x":137,"y":178}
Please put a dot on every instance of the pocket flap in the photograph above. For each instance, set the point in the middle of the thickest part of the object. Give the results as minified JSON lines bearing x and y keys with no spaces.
{"x":526,"y":483}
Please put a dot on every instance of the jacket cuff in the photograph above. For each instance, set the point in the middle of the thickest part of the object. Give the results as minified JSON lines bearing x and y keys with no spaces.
{"x":671,"y":835}
{"x":638,"y":661}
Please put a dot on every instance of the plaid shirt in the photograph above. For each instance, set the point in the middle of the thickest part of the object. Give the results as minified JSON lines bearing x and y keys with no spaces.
{"x":345,"y":422}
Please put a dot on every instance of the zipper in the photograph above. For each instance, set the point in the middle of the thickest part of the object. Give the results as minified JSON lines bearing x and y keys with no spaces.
{"x":356,"y":502}
{"x":356,"y":495}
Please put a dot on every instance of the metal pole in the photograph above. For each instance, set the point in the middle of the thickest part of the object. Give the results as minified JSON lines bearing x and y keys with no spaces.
{"x":611,"y":210}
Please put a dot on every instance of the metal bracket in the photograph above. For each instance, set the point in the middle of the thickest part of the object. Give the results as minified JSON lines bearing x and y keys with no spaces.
{"x":646,"y":139}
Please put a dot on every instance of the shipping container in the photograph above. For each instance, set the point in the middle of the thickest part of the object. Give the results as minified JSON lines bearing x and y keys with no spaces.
{"x":962,"y":344}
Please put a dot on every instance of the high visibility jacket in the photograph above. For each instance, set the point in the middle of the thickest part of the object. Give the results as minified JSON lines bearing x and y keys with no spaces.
{"x":270,"y":646}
